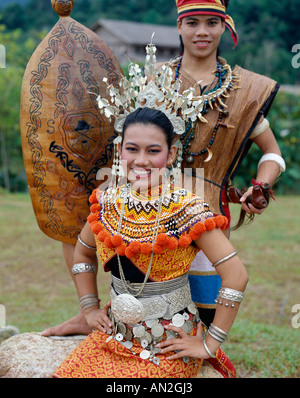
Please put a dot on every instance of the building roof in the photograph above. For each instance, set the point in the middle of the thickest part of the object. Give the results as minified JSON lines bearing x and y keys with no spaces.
{"x":135,"y":33}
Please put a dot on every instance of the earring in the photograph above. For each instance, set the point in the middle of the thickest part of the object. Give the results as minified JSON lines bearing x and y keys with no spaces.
{"x":117,"y":172}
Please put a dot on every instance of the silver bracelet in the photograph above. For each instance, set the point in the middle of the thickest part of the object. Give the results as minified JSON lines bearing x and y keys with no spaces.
{"x":208,"y":350}
{"x":89,"y":300}
{"x":85,"y":244}
{"x":229,"y":295}
{"x":225,"y":259}
{"x":83,"y":267}
{"x":217,"y":333}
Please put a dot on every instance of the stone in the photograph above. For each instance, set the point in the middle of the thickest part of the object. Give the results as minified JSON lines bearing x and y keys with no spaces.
{"x":31,"y":355}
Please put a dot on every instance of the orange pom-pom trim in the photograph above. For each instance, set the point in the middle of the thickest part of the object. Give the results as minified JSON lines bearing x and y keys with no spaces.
{"x":94,"y":208}
{"x":96,"y":227}
{"x":221,"y":221}
{"x":135,"y":246}
{"x":157,"y":248}
{"x":184,"y":241}
{"x":210,"y":224}
{"x":129,"y":253}
{"x":146,"y":248}
{"x":199,"y":228}
{"x":102,"y":235}
{"x":93,"y":197}
{"x":162,"y":239}
{"x":108,"y":243}
{"x":172,"y":243}
{"x":92,"y":217}
{"x":193,"y":235}
{"x":121,"y":249}
{"x":117,"y":240}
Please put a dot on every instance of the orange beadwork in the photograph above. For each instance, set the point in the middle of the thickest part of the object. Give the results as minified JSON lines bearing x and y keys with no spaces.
{"x":117,"y":240}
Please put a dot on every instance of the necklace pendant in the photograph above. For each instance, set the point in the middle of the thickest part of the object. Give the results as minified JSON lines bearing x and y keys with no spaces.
{"x":190,"y":159}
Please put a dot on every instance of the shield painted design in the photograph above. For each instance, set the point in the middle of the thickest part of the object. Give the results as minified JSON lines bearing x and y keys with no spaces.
{"x":65,"y":139}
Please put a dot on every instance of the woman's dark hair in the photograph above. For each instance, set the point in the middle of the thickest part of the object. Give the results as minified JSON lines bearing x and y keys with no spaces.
{"x":151,"y":116}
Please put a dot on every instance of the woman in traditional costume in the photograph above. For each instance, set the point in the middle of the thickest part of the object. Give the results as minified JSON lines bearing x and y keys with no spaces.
{"x":147,"y":231}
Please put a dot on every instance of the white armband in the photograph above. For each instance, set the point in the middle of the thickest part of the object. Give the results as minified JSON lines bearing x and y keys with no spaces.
{"x":261,"y":128}
{"x":274,"y":158}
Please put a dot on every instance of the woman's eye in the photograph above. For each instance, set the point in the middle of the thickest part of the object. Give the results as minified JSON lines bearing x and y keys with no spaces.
{"x":131,"y":149}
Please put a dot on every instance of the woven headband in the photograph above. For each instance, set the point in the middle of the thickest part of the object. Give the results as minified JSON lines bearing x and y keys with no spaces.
{"x":186,"y":8}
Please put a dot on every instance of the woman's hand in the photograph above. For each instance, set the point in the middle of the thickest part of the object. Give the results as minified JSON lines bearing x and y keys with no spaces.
{"x":188,"y":346}
{"x":98,"y":319}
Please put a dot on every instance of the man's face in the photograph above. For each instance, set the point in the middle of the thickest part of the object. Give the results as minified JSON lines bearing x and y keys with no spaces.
{"x":201,"y":34}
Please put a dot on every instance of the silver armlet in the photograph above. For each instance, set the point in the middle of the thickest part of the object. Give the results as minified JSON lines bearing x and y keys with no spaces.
{"x":83,"y":267}
{"x":85,"y":244}
{"x":229,"y":295}
{"x":225,"y":259}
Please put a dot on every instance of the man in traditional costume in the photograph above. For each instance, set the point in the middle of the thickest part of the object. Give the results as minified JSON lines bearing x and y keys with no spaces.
{"x":235,"y":105}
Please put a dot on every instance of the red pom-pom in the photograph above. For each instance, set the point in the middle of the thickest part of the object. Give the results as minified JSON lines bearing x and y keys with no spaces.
{"x":102,"y":235}
{"x":158,"y":249}
{"x":93,"y":197}
{"x":193,"y":235}
{"x":92,"y":217}
{"x":162,"y":239}
{"x":108,"y":243}
{"x":129,"y":253}
{"x":117,"y":240}
{"x":146,"y":248}
{"x":199,"y":228}
{"x":96,"y":227}
{"x":121,"y":249}
{"x":220,"y":221}
{"x":172,"y":243}
{"x":184,"y":241}
{"x":135,"y":246}
{"x":94,"y":208}
{"x":210,"y":224}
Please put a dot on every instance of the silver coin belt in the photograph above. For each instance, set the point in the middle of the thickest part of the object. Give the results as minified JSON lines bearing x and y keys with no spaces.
{"x":147,"y":334}
{"x":171,"y":305}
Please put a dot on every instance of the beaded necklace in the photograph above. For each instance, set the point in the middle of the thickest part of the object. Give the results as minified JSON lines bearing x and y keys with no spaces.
{"x":189,"y":133}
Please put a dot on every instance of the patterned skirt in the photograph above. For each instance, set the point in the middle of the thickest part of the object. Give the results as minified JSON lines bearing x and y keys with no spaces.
{"x":99,"y":356}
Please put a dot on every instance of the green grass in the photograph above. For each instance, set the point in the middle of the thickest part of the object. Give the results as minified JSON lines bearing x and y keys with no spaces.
{"x":38,"y":292}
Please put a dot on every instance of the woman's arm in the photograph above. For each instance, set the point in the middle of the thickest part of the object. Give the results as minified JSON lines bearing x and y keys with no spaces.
{"x":234,"y":276}
{"x":86,"y":283}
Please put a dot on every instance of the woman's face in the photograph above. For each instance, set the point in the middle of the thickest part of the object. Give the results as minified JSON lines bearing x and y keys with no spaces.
{"x":145,"y":155}
{"x":201,"y":34}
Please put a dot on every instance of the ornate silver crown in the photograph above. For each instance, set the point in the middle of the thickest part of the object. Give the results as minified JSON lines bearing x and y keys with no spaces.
{"x":157,"y":89}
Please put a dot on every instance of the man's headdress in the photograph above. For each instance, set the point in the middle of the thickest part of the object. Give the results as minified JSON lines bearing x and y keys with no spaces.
{"x":186,"y":8}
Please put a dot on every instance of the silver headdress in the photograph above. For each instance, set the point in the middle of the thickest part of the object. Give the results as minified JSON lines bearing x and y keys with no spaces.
{"x":155,"y":89}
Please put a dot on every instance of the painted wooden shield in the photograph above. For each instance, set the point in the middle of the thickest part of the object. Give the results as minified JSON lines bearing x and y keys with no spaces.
{"x":65,"y":139}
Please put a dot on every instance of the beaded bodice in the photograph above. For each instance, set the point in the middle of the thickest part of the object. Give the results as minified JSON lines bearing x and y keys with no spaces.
{"x":183,"y":218}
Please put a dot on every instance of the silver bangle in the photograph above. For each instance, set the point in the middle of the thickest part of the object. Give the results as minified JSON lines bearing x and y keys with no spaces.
{"x":225,"y":259}
{"x":208,"y":350}
{"x":83,"y":267}
{"x":217,"y":333}
{"x":229,"y":295}
{"x":85,"y":244}
{"x":89,"y":300}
